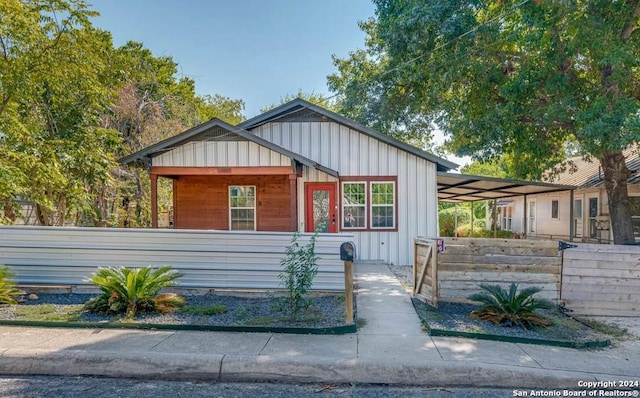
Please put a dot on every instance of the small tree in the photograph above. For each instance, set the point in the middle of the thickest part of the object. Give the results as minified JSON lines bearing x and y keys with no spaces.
{"x":300,"y":268}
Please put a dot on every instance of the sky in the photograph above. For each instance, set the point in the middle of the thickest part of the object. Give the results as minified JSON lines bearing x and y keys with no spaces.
{"x":255,"y":50}
{"x":259,"y":51}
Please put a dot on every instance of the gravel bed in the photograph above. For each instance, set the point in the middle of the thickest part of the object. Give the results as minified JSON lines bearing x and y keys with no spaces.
{"x":455,"y":317}
{"x":325,"y":311}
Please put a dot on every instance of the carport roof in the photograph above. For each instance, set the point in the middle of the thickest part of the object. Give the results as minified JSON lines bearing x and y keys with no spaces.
{"x":453,"y":187}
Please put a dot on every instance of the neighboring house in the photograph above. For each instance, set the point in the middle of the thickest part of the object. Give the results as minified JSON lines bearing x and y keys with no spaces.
{"x":300,"y":167}
{"x":549,"y":215}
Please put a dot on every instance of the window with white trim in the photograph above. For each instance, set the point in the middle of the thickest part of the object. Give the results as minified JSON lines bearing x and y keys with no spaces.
{"x":242,"y":208}
{"x":382,"y":204}
{"x":354,"y":205}
{"x":369,"y":205}
{"x":554,"y":209}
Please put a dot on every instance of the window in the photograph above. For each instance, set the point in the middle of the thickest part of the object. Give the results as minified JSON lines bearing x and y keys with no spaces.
{"x":382,"y":204}
{"x":369,"y":205}
{"x":354,"y":204}
{"x":242,"y":208}
{"x":554,"y":209}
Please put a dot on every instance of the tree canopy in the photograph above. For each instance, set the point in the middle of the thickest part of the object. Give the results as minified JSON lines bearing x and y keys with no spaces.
{"x":71,"y":104}
{"x":519,"y":78}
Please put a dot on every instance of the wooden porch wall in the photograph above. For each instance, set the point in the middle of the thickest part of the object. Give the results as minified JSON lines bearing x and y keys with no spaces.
{"x":202,"y":202}
{"x":467,"y":262}
{"x":602,"y":280}
{"x":208,"y":259}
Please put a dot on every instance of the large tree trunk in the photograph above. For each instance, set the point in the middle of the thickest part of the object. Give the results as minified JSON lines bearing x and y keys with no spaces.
{"x":615,"y":181}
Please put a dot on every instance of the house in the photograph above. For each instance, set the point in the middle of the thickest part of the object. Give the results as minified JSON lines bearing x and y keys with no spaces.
{"x":550,"y":215}
{"x":300,"y":167}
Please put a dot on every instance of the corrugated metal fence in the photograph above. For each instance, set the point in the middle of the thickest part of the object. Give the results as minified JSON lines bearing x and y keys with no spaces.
{"x":208,"y":259}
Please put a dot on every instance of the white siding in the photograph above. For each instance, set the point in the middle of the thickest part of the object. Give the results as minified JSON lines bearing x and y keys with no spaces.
{"x":353,"y":153}
{"x":221,"y":154}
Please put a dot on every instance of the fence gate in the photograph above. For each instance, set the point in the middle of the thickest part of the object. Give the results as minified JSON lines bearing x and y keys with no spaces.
{"x":425,"y":282}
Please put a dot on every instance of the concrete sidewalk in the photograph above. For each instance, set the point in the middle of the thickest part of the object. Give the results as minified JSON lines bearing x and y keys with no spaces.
{"x":390,"y":348}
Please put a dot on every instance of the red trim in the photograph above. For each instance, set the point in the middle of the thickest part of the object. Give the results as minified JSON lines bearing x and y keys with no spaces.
{"x":308,"y":208}
{"x":154,"y":200}
{"x":367,"y":180}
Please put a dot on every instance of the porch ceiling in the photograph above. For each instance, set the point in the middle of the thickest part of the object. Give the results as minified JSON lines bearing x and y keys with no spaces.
{"x":458,"y":188}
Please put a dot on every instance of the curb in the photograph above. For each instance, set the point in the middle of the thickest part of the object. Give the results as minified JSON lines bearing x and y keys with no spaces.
{"x":239,"y":368}
{"x":336,"y":330}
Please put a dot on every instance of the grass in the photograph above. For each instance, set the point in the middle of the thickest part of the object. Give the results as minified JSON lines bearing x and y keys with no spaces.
{"x":47,"y":313}
{"x":215,"y":309}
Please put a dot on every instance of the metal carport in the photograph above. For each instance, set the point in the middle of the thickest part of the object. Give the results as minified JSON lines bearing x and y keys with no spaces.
{"x":460,"y":188}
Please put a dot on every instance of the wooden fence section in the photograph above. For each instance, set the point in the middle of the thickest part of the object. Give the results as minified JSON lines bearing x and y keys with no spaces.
{"x":425,"y":281}
{"x":602,"y":280}
{"x":208,"y":259}
{"x":467,"y":262}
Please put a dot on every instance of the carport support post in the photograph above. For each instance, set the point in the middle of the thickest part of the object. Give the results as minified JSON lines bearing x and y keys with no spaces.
{"x":348,"y":292}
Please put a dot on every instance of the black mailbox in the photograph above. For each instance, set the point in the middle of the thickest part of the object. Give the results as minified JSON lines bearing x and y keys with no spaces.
{"x":347,"y":251}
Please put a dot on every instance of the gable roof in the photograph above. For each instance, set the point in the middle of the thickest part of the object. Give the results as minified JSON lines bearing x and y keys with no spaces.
{"x":587,"y":173}
{"x":298,"y":104}
{"x":205,"y":131}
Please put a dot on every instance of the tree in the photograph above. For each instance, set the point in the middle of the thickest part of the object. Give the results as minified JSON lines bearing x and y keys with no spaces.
{"x":522,"y":78}
{"x":314,"y":98}
{"x":52,"y":146}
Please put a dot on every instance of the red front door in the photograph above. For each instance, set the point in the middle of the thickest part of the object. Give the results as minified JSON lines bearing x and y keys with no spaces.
{"x":320,"y":207}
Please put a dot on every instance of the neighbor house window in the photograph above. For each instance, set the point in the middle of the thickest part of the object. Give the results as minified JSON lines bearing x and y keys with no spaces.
{"x":242,"y":208}
{"x":554,"y":209}
{"x":369,"y":205}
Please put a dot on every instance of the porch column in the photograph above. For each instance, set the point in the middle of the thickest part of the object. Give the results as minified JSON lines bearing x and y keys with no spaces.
{"x":154,"y":200}
{"x":293,"y":202}
{"x":571,"y":215}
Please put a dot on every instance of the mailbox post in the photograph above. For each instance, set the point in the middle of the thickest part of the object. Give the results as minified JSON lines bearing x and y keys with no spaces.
{"x":347,"y":254}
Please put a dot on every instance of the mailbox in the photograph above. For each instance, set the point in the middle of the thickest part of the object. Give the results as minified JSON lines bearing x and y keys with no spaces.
{"x":347,"y":251}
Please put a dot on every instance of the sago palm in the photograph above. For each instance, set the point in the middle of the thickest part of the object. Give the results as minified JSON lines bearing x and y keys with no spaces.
{"x":511,"y":308}
{"x":130,"y":290}
{"x":8,"y":289}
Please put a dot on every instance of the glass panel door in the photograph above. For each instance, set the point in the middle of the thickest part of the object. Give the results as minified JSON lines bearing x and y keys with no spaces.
{"x":320,"y":208}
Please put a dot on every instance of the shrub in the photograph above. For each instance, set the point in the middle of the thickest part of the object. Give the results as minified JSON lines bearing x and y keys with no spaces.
{"x":511,"y":308}
{"x":300,"y":269}
{"x":8,"y":289}
{"x":133,"y":290}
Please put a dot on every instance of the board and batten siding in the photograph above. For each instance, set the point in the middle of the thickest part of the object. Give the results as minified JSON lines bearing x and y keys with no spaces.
{"x":221,"y":154}
{"x":208,"y":259}
{"x":353,"y":153}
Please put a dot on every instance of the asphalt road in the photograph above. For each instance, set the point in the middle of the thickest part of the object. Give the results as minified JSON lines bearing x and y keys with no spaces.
{"x":89,"y":387}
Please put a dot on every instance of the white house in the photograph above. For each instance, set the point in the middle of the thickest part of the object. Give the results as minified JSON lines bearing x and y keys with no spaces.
{"x":300,"y":167}
{"x":549,"y":215}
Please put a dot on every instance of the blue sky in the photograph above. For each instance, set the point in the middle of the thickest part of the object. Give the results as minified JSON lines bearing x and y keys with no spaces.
{"x":255,"y":50}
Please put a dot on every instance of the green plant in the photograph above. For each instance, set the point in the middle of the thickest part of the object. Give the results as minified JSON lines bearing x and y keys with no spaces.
{"x":511,"y":308}
{"x":47,"y":313}
{"x":132,"y":290}
{"x":300,"y":268}
{"x":215,"y":309}
{"x":8,"y":289}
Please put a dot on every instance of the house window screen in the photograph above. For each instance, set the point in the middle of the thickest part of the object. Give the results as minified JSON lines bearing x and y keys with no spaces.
{"x":242,"y":208}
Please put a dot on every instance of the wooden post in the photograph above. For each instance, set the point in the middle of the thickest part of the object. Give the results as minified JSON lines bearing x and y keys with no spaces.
{"x":348,"y":292}
{"x":154,"y":200}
